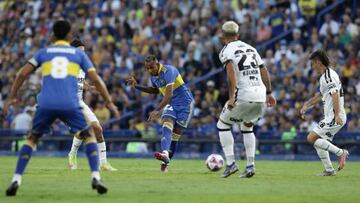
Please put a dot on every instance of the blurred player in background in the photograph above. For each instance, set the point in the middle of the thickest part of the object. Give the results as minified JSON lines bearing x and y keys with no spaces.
{"x":58,"y":99}
{"x":82,"y":84}
{"x":176,"y":106}
{"x":249,"y":92}
{"x":331,"y":93}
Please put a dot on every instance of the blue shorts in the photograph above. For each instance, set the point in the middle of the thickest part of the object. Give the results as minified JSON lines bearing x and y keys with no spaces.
{"x":181,"y":115}
{"x":44,"y":118}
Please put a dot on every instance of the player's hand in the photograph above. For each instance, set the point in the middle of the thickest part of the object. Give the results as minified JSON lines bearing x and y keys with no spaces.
{"x":154,"y":115}
{"x":7,"y":105}
{"x":270,"y":100}
{"x":303,"y":111}
{"x":231,"y":103}
{"x":113,"y":108}
{"x":131,"y":81}
{"x":338,"y":120}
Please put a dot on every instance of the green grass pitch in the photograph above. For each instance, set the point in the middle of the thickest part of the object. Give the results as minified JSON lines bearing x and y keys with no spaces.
{"x":139,"y":180}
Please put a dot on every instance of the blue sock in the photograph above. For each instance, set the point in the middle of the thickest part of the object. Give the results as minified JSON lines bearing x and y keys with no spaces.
{"x":24,"y":157}
{"x":173,"y":147}
{"x":93,"y":156}
{"x":166,"y":138}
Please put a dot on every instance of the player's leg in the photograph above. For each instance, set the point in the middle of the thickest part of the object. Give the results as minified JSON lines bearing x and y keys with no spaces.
{"x":318,"y":138}
{"x":175,"y":136}
{"x":227,"y":143}
{"x":72,"y":156}
{"x":168,"y":119}
{"x":41,"y":124}
{"x":104,"y":164}
{"x":250,"y":148}
{"x":167,"y":128}
{"x":78,"y":123}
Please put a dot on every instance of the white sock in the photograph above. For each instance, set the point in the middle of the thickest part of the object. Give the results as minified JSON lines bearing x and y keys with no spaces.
{"x":227,"y":143}
{"x":102,"y":152}
{"x":95,"y":174}
{"x":327,"y":146}
{"x":325,"y":158}
{"x":250,"y":145}
{"x":17,"y":177}
{"x":75,"y":146}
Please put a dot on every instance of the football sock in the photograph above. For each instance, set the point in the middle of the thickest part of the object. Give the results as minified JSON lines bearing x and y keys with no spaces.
{"x":102,"y":152}
{"x":325,"y":158}
{"x":327,"y":146}
{"x":166,"y":138}
{"x":75,"y":146}
{"x":173,"y":147}
{"x":93,"y":157}
{"x":227,"y":143}
{"x":249,"y":143}
{"x":24,"y":157}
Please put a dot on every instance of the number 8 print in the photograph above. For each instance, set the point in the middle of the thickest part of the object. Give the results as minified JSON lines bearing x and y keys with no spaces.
{"x":59,"y":67}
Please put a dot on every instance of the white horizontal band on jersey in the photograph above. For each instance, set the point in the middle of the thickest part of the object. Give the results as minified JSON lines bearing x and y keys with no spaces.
{"x":170,"y":84}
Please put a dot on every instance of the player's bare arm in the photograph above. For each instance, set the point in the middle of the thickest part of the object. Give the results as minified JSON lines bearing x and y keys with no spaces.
{"x":310,"y":103}
{"x":230,"y":70}
{"x":100,"y":86}
{"x":132,"y":82}
{"x":24,"y":72}
{"x":165,"y":101}
{"x":265,"y":77}
{"x":336,"y":103}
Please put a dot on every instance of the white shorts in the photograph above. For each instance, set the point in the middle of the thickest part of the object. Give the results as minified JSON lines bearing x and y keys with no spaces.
{"x":243,"y":112}
{"x":328,"y":130}
{"x":88,"y":113}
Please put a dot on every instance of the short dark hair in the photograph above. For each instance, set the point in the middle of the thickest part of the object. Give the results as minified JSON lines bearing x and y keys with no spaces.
{"x":321,"y":56}
{"x":61,"y":29}
{"x":77,"y":43}
{"x":150,"y":58}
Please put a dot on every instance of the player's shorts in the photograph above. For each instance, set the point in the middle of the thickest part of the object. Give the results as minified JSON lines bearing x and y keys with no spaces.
{"x":328,"y":130}
{"x":88,"y":113}
{"x":243,"y":112}
{"x":180,"y":114}
{"x":44,"y":118}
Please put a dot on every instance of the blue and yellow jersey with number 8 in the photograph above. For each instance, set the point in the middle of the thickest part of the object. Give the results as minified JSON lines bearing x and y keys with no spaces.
{"x":61,"y":64}
{"x":170,"y":75}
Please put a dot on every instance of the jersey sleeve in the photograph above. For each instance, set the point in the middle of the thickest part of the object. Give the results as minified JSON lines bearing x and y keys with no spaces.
{"x":258,"y":59}
{"x":225,"y":56}
{"x":170,"y":76}
{"x":36,"y":59}
{"x":330,"y":82}
{"x":86,"y":64}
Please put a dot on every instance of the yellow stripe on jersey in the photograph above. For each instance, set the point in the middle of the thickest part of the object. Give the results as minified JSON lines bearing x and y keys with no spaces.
{"x":61,"y":42}
{"x":178,"y":82}
{"x":73,"y":69}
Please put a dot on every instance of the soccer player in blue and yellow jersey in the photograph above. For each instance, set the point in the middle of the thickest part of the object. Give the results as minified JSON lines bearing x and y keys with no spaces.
{"x":176,"y":106}
{"x":58,"y":99}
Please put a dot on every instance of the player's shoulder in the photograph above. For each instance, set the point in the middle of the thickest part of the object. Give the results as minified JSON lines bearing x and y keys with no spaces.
{"x":329,"y":75}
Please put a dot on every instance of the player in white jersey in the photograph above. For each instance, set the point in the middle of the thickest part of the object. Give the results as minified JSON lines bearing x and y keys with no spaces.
{"x":249,"y":92}
{"x":104,"y":164}
{"x":332,"y":95}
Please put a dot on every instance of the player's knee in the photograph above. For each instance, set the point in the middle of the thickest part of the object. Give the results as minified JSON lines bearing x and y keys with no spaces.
{"x":311,"y":138}
{"x":221,"y":126}
{"x":175,"y":136}
{"x":32,"y":140}
{"x":168,"y":124}
{"x":246,"y":128}
{"x":98,"y":132}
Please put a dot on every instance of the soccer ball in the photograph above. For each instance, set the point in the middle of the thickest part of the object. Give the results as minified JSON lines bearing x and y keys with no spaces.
{"x":214,"y":162}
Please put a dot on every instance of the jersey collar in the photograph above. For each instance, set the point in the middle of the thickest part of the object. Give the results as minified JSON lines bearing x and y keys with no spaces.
{"x":62,"y":42}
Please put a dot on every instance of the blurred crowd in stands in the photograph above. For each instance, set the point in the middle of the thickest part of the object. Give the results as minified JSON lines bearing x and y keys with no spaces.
{"x":185,"y":34}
